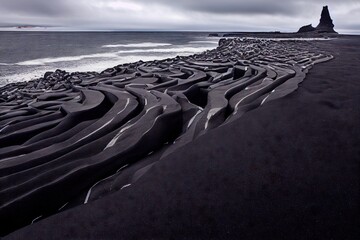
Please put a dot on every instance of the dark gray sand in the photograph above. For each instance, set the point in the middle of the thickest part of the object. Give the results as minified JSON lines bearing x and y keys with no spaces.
{"x":287,"y":169}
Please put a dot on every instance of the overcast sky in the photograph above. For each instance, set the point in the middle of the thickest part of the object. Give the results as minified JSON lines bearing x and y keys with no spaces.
{"x":204,"y":15}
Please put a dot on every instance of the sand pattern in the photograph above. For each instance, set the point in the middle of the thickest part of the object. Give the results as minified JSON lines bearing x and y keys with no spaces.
{"x":67,"y":132}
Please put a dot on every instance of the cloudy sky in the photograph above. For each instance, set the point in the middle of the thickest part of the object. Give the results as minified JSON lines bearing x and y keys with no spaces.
{"x":204,"y":15}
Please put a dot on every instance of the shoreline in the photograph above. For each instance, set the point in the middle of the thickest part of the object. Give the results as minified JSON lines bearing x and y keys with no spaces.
{"x":246,"y":35}
{"x":210,"y":119}
{"x":89,"y":55}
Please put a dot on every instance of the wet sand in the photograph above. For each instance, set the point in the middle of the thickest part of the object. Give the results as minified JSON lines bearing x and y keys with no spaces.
{"x":286,"y":169}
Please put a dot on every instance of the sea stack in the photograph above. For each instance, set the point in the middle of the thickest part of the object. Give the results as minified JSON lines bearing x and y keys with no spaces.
{"x":325,"y":26}
{"x":326,"y":23}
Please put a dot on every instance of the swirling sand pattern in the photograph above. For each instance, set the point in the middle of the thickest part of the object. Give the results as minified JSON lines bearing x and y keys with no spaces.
{"x":65,"y":133}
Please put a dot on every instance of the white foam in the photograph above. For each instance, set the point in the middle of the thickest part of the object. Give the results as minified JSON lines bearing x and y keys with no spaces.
{"x":44,"y":61}
{"x":95,"y":65}
{"x":204,"y":42}
{"x":101,"y":65}
{"x":22,"y":77}
{"x":168,"y":50}
{"x":95,"y":62}
{"x":139,"y":45}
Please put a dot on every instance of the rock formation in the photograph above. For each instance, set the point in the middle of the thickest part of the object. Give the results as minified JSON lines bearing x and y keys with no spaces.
{"x":306,"y":28}
{"x":325,"y":26}
{"x":326,"y":23}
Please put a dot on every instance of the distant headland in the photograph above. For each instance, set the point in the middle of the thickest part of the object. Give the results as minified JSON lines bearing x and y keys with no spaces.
{"x":325,"y":28}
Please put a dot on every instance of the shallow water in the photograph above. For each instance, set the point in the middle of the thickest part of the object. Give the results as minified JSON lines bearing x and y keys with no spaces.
{"x":28,"y":55}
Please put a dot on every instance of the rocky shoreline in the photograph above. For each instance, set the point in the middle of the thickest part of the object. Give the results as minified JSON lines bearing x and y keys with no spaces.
{"x":325,"y":29}
{"x":66,"y":137}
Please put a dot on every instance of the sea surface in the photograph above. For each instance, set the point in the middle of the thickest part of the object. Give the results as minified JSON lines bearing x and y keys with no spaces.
{"x":28,"y":55}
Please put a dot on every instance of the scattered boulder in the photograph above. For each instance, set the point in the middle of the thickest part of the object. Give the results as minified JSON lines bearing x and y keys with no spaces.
{"x":47,"y":74}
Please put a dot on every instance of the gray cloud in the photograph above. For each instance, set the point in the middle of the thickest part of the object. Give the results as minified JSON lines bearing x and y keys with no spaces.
{"x":234,"y":7}
{"x":226,"y":15}
{"x":36,"y":7}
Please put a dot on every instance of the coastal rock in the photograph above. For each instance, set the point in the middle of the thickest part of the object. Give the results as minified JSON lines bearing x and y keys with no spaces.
{"x":325,"y":26}
{"x":326,"y":23}
{"x":306,"y":28}
{"x":47,"y":74}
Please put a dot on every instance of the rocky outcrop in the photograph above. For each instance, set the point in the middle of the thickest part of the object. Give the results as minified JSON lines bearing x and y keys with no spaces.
{"x":306,"y":28}
{"x":326,"y":23}
{"x":325,"y":26}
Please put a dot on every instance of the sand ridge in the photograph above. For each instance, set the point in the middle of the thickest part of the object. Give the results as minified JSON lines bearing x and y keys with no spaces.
{"x":64,"y":133}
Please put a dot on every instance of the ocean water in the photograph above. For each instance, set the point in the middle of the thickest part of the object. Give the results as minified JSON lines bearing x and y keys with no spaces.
{"x":28,"y":55}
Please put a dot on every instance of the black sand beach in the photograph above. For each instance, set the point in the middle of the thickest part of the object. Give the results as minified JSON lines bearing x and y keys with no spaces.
{"x":286,"y":169}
